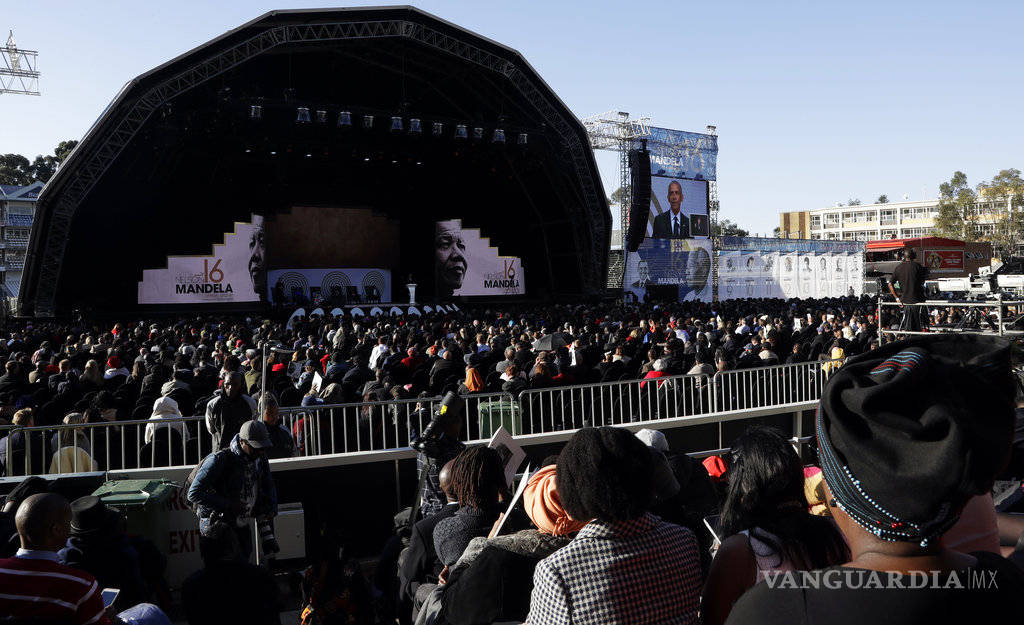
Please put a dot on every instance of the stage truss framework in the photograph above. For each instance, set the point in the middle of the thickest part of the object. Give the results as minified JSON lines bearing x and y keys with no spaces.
{"x":100,"y":157}
{"x":18,"y":73}
{"x":615,"y":131}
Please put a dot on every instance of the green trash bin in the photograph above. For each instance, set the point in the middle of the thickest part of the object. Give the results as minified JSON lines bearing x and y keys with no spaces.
{"x":146,"y":505}
{"x":143,"y":503}
{"x":497,"y":413}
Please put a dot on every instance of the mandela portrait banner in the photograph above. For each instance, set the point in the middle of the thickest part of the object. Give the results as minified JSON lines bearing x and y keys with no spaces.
{"x":235,"y":271}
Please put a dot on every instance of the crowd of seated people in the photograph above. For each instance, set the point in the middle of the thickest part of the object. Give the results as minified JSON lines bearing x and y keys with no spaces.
{"x":87,"y":374}
{"x":895,"y":492}
{"x":616,"y":527}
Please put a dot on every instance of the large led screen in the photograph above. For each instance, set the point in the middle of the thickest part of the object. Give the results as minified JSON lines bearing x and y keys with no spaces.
{"x":679,"y":209}
{"x":465,"y":263}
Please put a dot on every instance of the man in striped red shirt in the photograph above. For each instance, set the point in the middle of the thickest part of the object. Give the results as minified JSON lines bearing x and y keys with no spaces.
{"x":33,"y":585}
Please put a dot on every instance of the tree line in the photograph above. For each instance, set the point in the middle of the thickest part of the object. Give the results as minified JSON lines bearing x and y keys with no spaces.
{"x":960,"y":214}
{"x":18,"y":170}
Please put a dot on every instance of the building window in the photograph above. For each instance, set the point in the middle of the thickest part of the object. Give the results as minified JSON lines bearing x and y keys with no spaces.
{"x":888,"y":216}
{"x":815,"y":222}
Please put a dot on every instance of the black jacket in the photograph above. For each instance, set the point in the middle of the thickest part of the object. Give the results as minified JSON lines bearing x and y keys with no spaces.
{"x":663,"y":226}
{"x":420,"y":563}
{"x":497,"y":584}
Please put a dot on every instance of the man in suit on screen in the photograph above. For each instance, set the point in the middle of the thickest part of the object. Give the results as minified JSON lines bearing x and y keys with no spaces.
{"x":672,"y":224}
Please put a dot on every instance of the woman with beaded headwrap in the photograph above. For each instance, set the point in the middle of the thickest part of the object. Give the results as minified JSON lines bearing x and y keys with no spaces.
{"x":907,"y":435}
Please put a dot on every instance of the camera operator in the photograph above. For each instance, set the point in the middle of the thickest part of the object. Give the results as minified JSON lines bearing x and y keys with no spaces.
{"x":438,"y":444}
{"x":909,"y":277}
{"x":233,"y":486}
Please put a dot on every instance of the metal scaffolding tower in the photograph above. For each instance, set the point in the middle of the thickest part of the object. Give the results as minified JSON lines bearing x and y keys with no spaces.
{"x":615,"y":131}
{"x":18,"y":73}
{"x":716,"y":235}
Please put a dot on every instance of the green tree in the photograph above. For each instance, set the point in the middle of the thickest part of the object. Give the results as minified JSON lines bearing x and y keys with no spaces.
{"x":616,"y":197}
{"x":777,"y":232}
{"x":15,"y":169}
{"x":853,"y":202}
{"x":63,"y":149}
{"x":44,"y":167}
{"x":882,"y":199}
{"x":1006,"y":191}
{"x":729,"y":228}
{"x":956,"y":209}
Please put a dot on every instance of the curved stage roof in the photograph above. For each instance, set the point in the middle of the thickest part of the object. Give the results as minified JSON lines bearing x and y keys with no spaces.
{"x":175,"y":159}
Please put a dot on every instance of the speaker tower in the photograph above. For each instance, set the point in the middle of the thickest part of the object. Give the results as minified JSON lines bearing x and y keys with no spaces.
{"x":640,"y":197}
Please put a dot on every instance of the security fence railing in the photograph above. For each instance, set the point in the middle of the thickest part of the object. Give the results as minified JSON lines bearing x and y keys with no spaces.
{"x":331,"y":430}
{"x":778,"y":385}
{"x":614,"y":403}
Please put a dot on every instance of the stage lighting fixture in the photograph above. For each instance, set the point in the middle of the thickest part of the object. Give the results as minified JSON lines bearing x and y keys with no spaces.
{"x":321,"y":117}
{"x":224,"y":94}
{"x":460,"y":131}
{"x":499,"y":136}
{"x":522,"y":139}
{"x":396,"y":124}
{"x":366,"y":160}
{"x":302,"y":115}
{"x":255,"y":112}
{"x":309,"y":155}
{"x":415,"y":127}
{"x":248,"y":150}
{"x":273,"y":153}
{"x":438,"y":129}
{"x":367,"y":121}
{"x":289,"y":93}
{"x":344,"y":119}
{"x":478,"y":133}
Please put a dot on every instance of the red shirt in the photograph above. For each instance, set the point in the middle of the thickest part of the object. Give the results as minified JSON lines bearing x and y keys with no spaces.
{"x":39,"y":588}
{"x":652,"y":374}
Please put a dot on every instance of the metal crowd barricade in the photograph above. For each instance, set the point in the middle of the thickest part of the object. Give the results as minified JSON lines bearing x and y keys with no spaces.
{"x":108,"y":445}
{"x":776,"y":385}
{"x":358,"y":426}
{"x":390,"y":425}
{"x":999,"y":327}
{"x":614,"y":403}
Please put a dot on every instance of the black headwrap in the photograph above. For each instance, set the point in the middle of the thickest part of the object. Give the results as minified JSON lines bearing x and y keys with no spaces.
{"x":909,"y":432}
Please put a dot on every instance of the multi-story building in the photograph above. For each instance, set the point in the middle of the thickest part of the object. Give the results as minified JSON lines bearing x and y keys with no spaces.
{"x":17,"y":210}
{"x":894,"y":220}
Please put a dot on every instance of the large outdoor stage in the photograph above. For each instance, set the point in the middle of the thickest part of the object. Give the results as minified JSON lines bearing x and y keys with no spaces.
{"x":324,"y":153}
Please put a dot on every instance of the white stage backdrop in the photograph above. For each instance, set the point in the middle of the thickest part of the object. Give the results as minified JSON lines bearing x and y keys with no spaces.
{"x":319,"y":282}
{"x":465,"y":263}
{"x":234,"y":272}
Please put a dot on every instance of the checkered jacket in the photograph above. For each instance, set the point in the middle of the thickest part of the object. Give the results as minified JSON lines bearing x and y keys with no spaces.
{"x":639,"y":571}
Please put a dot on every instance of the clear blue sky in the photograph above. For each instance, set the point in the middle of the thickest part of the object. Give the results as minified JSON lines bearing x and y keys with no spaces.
{"x":814,"y":102}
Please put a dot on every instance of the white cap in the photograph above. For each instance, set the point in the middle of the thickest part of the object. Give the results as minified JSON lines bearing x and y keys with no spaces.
{"x":653,"y":438}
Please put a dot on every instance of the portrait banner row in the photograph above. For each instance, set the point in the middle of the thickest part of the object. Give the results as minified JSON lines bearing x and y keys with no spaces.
{"x":752,"y":271}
